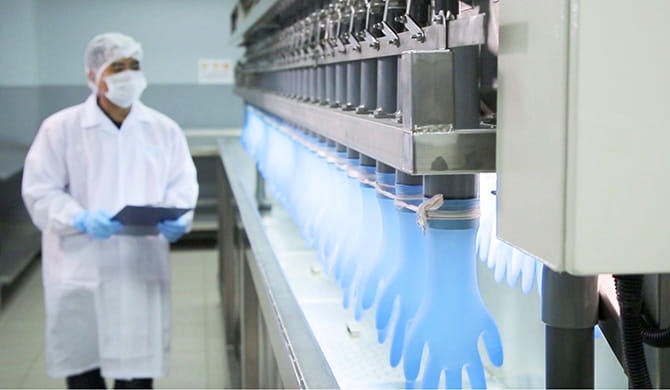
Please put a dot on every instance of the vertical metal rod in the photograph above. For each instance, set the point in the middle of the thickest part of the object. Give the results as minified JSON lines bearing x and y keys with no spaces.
{"x":399,"y":92}
{"x":353,"y":85}
{"x":387,"y":78}
{"x":368,"y":86}
{"x":570,"y":311}
{"x":274,"y":81}
{"x":321,"y":84}
{"x":297,"y":83}
{"x":290,"y":83}
{"x":330,"y":85}
{"x":305,"y":83}
{"x":280,"y":82}
{"x":228,"y":260}
{"x":250,"y":323}
{"x":341,"y":84}
{"x":313,"y":94}
{"x":569,"y":358}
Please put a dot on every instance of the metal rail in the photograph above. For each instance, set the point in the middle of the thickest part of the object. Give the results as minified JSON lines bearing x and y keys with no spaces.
{"x":413,"y":152}
{"x":299,"y":359}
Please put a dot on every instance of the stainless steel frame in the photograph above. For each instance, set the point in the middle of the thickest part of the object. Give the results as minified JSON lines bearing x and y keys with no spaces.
{"x":264,"y":324}
{"x":433,"y":151}
{"x":435,"y":39}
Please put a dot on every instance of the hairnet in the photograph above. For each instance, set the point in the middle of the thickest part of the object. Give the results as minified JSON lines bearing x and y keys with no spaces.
{"x":107,"y":48}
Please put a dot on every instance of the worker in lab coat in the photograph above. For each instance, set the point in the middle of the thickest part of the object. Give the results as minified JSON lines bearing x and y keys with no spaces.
{"x":107,"y":294}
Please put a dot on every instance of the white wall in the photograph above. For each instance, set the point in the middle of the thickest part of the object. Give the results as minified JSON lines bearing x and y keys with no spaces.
{"x":173,"y":33}
{"x":42,"y":46}
{"x":18,"y":52}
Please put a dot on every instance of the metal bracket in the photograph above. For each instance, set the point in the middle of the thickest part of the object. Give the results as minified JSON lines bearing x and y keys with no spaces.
{"x":340,"y":38}
{"x":351,"y":35}
{"x":354,"y":45}
{"x":388,"y":32}
{"x":371,"y":40}
{"x":413,"y":27}
{"x":343,"y":40}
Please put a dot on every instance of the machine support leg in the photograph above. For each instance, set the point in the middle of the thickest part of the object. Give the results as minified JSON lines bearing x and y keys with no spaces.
{"x":569,"y":358}
{"x":570,"y":311}
{"x":261,"y":197}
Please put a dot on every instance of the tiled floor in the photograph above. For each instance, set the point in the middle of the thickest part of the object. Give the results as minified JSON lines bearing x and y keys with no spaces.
{"x":198,"y":348}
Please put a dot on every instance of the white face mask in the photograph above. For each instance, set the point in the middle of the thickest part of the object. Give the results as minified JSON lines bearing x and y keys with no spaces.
{"x":125,"y":88}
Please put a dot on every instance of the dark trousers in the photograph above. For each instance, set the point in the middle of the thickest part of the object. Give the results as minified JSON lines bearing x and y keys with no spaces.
{"x":94,"y":380}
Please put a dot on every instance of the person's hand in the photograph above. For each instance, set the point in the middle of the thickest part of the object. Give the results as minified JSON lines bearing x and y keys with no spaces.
{"x":172,"y":229}
{"x":98,"y":224}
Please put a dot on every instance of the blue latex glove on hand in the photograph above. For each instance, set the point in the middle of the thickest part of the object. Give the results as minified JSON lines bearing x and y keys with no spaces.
{"x":98,"y":224}
{"x":172,"y":229}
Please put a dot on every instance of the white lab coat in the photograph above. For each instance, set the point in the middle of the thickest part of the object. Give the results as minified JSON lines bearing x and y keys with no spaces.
{"x":107,"y":301}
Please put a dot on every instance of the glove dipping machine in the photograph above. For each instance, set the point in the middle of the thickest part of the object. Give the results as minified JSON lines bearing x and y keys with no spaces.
{"x":402,"y":141}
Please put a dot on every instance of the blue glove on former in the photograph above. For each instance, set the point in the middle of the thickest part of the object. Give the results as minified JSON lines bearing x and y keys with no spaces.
{"x":172,"y":229}
{"x":98,"y":224}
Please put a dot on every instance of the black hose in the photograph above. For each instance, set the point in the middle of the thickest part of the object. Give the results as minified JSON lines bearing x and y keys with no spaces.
{"x":629,"y":294}
{"x":659,"y":338}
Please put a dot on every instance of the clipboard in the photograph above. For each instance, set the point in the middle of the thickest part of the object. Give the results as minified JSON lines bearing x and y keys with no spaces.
{"x":142,"y":220}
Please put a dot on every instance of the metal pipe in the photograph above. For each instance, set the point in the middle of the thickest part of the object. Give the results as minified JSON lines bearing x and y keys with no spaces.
{"x":353,"y":85}
{"x":331,"y":98}
{"x":451,"y":186}
{"x":387,"y":80}
{"x":313,"y":84}
{"x":368,"y":87}
{"x":569,"y":358}
{"x":321,"y":84}
{"x":407,"y":179}
{"x":304,"y":76}
{"x":295,"y":80}
{"x":570,"y":311}
{"x":340,"y":84}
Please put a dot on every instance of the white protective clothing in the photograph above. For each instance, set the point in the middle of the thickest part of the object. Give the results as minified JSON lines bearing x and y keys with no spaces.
{"x":107,"y":301}
{"x":125,"y":88}
{"x":106,"y":48}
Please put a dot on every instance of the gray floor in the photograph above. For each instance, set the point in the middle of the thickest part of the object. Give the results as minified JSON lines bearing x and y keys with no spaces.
{"x":198,"y":348}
